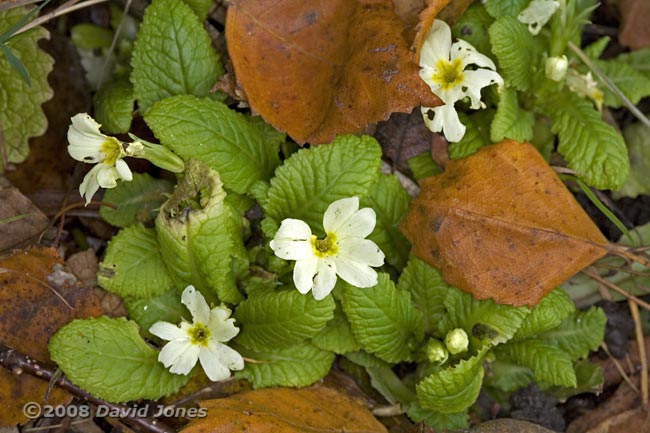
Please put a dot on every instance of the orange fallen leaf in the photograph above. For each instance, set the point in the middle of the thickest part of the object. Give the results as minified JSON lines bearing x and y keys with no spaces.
{"x":31,"y":310}
{"x":286,"y":410}
{"x":500,"y":224}
{"x":634,"y":31}
{"x":317,"y":69}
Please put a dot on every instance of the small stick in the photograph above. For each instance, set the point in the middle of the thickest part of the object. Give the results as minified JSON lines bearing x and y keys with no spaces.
{"x":18,"y":363}
{"x":66,"y":8}
{"x":619,"y":367}
{"x":634,"y":310}
{"x":617,"y":289}
{"x":627,"y":254}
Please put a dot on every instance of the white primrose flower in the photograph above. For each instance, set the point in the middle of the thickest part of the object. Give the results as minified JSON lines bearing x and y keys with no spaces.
{"x":344,"y":251}
{"x":585,"y":85}
{"x":537,"y":14}
{"x":200,"y":340}
{"x":88,"y":144}
{"x":444,"y":67}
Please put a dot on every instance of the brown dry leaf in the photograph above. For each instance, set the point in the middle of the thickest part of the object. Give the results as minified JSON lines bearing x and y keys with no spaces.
{"x":29,"y":225}
{"x":500,"y":224}
{"x":317,"y":69}
{"x":634,"y":31}
{"x":287,"y":410}
{"x":31,"y":310}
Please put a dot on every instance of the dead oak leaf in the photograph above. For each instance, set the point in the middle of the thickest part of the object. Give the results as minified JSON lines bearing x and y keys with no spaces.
{"x":318,"y":69}
{"x":500,"y":224}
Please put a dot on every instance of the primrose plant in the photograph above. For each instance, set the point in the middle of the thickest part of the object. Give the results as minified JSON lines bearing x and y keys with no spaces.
{"x":219,"y":267}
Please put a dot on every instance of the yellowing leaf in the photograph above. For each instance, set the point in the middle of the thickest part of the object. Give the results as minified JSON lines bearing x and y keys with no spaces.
{"x":317,"y":69}
{"x":500,"y":224}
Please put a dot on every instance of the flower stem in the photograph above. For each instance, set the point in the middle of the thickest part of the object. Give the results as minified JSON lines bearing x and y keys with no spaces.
{"x":65,"y":8}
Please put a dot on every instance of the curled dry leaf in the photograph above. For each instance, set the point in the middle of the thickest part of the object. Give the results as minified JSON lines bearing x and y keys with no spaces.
{"x":500,"y":224}
{"x":31,"y":310}
{"x":317,"y":69}
{"x":287,"y":410}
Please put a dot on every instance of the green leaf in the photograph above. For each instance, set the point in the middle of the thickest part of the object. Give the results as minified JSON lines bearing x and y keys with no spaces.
{"x":638,"y":144}
{"x":510,"y":121}
{"x":234,"y":145}
{"x":173,"y":55}
{"x":113,"y":104}
{"x":595,"y":49}
{"x":298,"y":365}
{"x":437,"y":420}
{"x":499,"y":8}
{"x":133,"y":266}
{"x":278,"y":319}
{"x":482,"y":320}
{"x":579,"y":333}
{"x":21,"y":115}
{"x":428,"y":291}
{"x":390,"y":202}
{"x":507,"y":376}
{"x":631,"y":82}
{"x":422,"y":166}
{"x":383,"y":319}
{"x":365,"y":359}
{"x":550,"y":364}
{"x":590,"y":146}
{"x":638,"y":59}
{"x":589,"y":377}
{"x":311,"y":179}
{"x":137,"y":201}
{"x":108,"y":358}
{"x":473,"y":26}
{"x":337,"y":335}
{"x":90,"y":36}
{"x":477,"y":134}
{"x":547,"y":314}
{"x":166,"y":307}
{"x":200,"y":7}
{"x":514,"y":47}
{"x":453,"y":389}
{"x":199,"y":234}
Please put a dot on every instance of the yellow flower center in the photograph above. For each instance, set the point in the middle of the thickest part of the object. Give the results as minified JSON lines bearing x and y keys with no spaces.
{"x":324,"y":247}
{"x":448,"y":74}
{"x":199,"y":334}
{"x":112,"y":148}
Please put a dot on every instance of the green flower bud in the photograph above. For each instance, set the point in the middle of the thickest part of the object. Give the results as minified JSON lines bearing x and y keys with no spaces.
{"x":157,"y":154}
{"x":456,"y":341}
{"x":555,"y":68}
{"x":435,"y":351}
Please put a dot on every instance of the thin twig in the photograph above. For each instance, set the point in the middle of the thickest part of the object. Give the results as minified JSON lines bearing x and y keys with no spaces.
{"x":617,"y":289}
{"x":619,"y":367}
{"x":64,"y":9}
{"x":640,"y":341}
{"x":628,"y":254}
{"x":19,"y":363}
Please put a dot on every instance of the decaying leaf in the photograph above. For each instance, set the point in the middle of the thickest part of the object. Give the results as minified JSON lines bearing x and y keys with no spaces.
{"x":317,"y":69}
{"x":20,"y":221}
{"x":32,"y":308}
{"x":500,"y":224}
{"x":287,"y":410}
{"x":634,"y":31}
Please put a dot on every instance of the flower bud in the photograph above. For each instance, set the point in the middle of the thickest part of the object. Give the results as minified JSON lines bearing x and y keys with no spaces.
{"x":556,"y":67}
{"x":456,"y":341}
{"x":435,"y":351}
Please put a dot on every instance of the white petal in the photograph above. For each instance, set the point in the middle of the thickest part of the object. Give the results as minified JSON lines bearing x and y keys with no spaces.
{"x":230,"y":357}
{"x":222,"y":330}
{"x":475,"y":80}
{"x":360,"y":250}
{"x":212,"y":365}
{"x":361,"y":224}
{"x":85,"y":139}
{"x":357,"y":274}
{"x":469,"y":56}
{"x":123,"y":170}
{"x":339,"y":212}
{"x":167,"y":331}
{"x":195,"y":302}
{"x":304,"y":272}
{"x":436,"y":45}
{"x":293,"y":240}
{"x":446,"y":119}
{"x":325,"y":279}
{"x":180,"y":355}
{"x":89,"y":185}
{"x":107,"y":175}
{"x":537,"y":14}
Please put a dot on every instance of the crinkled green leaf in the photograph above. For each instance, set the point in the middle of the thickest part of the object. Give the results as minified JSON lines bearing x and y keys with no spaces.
{"x":595,"y":49}
{"x":278,"y":319}
{"x":638,"y":59}
{"x":21,"y":115}
{"x":514,"y":48}
{"x":452,"y":389}
{"x":311,"y":179}
{"x":589,"y":145}
{"x":133,"y":265}
{"x":547,"y":314}
{"x":173,"y":55}
{"x":90,"y":36}
{"x":365,"y":359}
{"x":473,"y":27}
{"x":390,"y":202}
{"x":231,"y":143}
{"x":200,"y":7}
{"x":631,"y":82}
{"x":384,"y":319}
{"x":578,"y":333}
{"x":482,"y":320}
{"x":199,"y":234}
{"x":300,"y":364}
{"x":428,"y":291}
{"x":113,"y":104}
{"x":499,"y":8}
{"x":422,"y":166}
{"x":136,"y":201}
{"x":108,"y":358}
{"x":550,"y":364}
{"x":589,"y":377}
{"x":510,"y":121}
{"x":337,"y":335}
{"x":638,"y":144}
{"x":543,"y":137}
{"x":166,"y":307}
{"x":507,"y":376}
{"x":437,"y":420}
{"x":477,"y":134}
